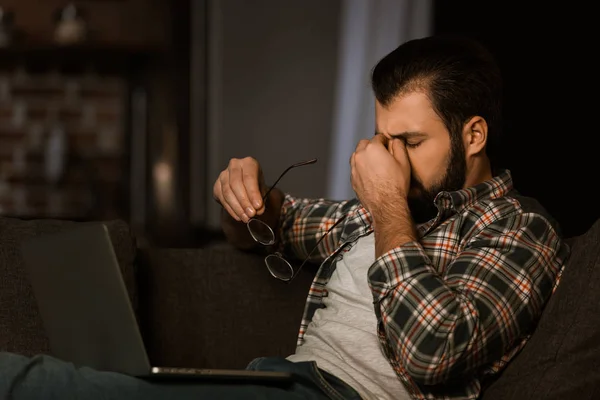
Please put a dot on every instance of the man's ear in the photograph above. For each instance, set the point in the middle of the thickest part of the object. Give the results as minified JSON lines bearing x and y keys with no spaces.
{"x":475,"y":133}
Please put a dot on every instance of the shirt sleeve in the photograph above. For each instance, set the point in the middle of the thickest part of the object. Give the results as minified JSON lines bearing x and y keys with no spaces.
{"x":305,"y":221}
{"x":439,"y":327}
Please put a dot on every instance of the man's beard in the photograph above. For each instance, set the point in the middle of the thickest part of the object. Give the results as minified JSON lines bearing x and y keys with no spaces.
{"x":421,"y":200}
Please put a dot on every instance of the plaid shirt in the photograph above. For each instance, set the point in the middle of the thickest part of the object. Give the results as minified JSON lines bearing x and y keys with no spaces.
{"x":455,"y":306}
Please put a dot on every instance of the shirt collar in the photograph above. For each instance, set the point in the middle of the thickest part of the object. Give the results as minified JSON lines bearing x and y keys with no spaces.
{"x":459,"y":200}
{"x":447,"y":202}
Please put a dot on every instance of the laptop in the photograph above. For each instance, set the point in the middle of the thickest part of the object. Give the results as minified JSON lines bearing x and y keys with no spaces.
{"x":87,"y":314}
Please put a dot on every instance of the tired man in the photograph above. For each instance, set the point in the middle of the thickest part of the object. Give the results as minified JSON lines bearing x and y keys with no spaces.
{"x":430,"y":280}
{"x":438,"y":270}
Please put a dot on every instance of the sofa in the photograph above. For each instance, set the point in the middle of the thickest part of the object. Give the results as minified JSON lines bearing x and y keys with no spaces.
{"x":218,"y":307}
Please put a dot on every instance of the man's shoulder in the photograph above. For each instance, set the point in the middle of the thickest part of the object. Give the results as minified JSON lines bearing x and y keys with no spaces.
{"x":514,"y":204}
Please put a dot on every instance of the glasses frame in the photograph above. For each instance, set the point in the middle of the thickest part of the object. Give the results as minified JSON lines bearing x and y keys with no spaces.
{"x":266,"y":196}
{"x":278,"y":255}
{"x":281,"y":258}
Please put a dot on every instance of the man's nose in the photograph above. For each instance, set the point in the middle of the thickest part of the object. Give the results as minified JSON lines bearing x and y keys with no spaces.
{"x":386,"y":141}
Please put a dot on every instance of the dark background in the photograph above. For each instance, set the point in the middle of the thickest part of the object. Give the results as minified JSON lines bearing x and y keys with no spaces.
{"x":546,"y":53}
{"x":277,"y":65}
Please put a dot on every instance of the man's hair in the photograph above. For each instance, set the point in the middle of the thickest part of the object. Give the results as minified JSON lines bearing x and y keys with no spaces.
{"x":458,"y":74}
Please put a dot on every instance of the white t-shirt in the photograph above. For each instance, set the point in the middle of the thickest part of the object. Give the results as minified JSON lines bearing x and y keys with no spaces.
{"x":342,"y":336}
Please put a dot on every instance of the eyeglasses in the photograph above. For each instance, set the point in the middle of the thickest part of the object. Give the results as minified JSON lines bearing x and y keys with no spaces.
{"x":262,"y":233}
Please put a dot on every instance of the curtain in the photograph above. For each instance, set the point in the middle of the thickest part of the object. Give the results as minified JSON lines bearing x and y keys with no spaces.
{"x":368,"y":31}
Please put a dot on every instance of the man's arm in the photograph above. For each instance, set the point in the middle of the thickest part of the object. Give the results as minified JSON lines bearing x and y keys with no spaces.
{"x":296,"y":223}
{"x":444,"y":327}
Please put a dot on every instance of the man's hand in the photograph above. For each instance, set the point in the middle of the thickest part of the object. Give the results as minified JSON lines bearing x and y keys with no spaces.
{"x":381,"y":180}
{"x":239,"y":189}
{"x":380,"y":174}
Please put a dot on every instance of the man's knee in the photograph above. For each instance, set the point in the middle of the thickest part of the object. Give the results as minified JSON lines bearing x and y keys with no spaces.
{"x":22,"y":376}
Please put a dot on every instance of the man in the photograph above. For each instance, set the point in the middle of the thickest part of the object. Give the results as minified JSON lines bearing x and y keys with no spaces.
{"x":430,"y":280}
{"x":440,"y":270}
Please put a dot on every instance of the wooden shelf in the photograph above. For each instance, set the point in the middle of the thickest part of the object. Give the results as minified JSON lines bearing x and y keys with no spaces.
{"x":90,"y":52}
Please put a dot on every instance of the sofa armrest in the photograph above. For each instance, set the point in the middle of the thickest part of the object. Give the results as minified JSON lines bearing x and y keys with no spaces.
{"x":21,"y":327}
{"x":216,"y":307}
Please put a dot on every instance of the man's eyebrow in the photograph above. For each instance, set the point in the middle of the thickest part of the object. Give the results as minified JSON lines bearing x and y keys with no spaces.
{"x":407,"y":135}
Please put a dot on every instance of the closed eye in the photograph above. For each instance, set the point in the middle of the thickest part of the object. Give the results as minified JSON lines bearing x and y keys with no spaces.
{"x":413,"y":145}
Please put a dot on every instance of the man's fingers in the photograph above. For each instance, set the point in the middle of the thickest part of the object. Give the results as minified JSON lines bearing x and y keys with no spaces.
{"x":361,"y":145}
{"x":253,"y":180}
{"x":238,"y":187}
{"x":380,"y":138}
{"x":398,"y":150}
{"x":231,"y":212}
{"x":253,"y":191}
{"x":230,"y":198}
{"x":220,"y":197}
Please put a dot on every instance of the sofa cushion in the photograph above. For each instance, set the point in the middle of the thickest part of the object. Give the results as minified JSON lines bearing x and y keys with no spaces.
{"x":217,"y":307}
{"x":21,"y":329}
{"x":562,"y":358}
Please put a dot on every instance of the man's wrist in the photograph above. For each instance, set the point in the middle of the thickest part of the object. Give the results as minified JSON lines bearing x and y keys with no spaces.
{"x":393,"y":227}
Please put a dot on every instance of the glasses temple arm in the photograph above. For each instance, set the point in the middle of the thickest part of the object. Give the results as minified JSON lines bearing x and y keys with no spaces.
{"x":300,"y":164}
{"x":316,"y":246}
{"x":276,"y":181}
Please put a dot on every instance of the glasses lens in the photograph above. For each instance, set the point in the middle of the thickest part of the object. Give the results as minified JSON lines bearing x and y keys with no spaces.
{"x":278,"y":267}
{"x":261,"y":232}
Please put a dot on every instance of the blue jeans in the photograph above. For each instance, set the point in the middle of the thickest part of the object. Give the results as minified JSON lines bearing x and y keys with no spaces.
{"x":45,"y":377}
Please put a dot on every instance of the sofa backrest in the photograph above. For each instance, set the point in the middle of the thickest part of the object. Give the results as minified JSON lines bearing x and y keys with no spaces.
{"x":562,"y":358}
{"x":21,"y":329}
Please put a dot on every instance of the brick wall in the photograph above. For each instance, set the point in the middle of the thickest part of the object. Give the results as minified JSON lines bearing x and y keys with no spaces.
{"x":78,"y":176}
{"x":123,"y":22}
{"x":46,"y":88}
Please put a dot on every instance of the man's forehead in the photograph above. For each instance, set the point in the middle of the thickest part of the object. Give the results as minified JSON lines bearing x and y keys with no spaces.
{"x":408,"y":116}
{"x":406,"y":135}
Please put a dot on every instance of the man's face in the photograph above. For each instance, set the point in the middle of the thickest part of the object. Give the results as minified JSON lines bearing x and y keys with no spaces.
{"x":437,"y":162}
